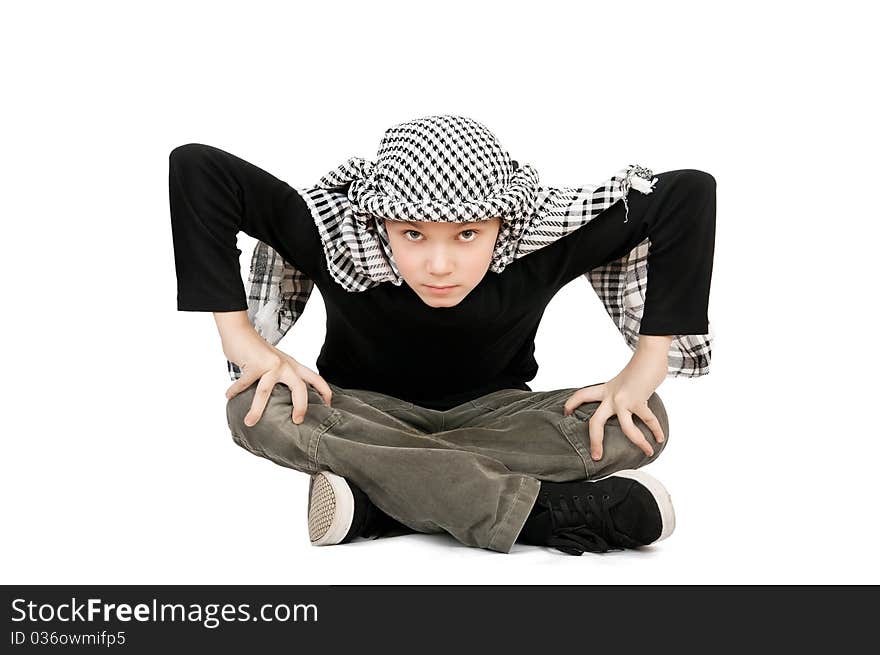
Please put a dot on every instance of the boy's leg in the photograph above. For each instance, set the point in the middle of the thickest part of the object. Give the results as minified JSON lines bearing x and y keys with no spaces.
{"x":524,"y":429}
{"x":414,"y":476}
{"x":528,"y":432}
{"x":473,"y":471}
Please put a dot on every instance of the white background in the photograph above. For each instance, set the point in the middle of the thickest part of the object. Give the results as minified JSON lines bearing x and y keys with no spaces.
{"x":117,"y":463}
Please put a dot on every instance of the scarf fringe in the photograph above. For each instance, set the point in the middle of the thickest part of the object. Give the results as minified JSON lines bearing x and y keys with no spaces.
{"x":639,"y":178}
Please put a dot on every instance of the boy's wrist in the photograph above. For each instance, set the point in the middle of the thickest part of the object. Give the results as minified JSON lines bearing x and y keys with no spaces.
{"x":234,"y":327}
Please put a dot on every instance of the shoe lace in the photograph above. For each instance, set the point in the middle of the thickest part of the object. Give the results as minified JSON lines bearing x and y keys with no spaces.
{"x":574,"y":532}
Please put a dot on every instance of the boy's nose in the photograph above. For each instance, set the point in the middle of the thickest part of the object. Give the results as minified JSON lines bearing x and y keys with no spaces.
{"x":440,"y":264}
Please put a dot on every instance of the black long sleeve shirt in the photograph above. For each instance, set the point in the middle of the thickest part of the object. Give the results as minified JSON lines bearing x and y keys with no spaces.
{"x":386,"y":338}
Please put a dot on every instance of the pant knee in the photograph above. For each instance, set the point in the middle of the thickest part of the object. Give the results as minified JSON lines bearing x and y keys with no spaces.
{"x":271,"y":437}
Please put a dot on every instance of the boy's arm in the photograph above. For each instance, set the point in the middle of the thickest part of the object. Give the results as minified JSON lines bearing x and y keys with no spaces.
{"x":215,"y":195}
{"x":626,"y":395}
{"x":266,"y":365}
{"x":241,"y":342}
{"x":233,"y":326}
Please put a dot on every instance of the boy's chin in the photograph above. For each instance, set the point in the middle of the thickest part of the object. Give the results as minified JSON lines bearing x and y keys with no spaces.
{"x":440,"y":305}
{"x":442,"y":301}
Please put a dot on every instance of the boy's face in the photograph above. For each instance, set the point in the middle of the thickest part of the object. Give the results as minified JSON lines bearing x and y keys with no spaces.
{"x":430,"y":255}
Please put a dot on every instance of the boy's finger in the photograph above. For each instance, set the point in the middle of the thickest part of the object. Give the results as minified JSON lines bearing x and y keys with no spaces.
{"x":321,"y":387}
{"x":300,"y":396}
{"x":597,"y":430}
{"x":242,"y":383}
{"x":261,"y":397}
{"x":633,"y":433}
{"x":586,"y":395}
{"x":652,"y":422}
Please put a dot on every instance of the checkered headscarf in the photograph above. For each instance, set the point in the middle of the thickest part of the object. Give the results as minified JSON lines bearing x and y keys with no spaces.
{"x":453,"y":169}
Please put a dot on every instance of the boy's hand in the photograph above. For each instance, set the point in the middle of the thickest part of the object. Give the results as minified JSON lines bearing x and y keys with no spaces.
{"x":260,"y":361}
{"x":624,"y":395}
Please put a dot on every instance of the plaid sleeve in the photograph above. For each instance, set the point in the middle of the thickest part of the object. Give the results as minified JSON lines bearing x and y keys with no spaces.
{"x":621,"y":286}
{"x":277,"y":296}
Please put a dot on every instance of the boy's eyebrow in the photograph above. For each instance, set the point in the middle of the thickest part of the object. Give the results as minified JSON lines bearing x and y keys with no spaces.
{"x":411,"y":223}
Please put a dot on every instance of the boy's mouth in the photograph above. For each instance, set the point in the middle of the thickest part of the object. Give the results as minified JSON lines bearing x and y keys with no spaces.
{"x":441,"y":289}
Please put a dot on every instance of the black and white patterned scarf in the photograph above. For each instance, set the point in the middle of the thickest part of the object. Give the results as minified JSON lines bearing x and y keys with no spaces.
{"x":453,"y":169}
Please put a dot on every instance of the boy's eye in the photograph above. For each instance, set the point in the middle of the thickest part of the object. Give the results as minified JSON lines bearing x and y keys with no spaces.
{"x":474,"y":232}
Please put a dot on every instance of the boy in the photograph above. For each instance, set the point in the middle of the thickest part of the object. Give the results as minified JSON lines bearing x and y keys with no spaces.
{"x":435,"y":264}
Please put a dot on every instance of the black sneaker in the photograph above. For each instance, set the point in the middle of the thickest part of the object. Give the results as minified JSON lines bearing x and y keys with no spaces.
{"x":628,"y":509}
{"x":340,"y":512}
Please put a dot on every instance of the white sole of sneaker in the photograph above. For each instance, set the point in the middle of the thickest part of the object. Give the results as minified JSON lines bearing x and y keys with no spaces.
{"x":331,"y":508}
{"x":664,"y":500}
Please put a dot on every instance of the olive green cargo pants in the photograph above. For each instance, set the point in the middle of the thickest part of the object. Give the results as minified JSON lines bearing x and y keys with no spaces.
{"x":473,"y":471}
